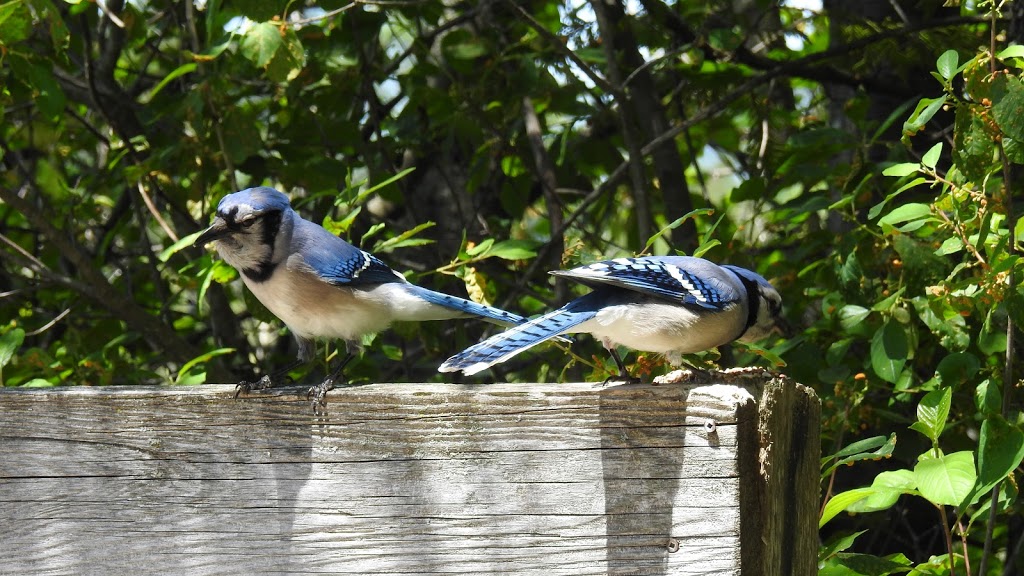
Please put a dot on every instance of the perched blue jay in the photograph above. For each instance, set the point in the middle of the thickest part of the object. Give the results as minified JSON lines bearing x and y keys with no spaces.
{"x":672,"y":305}
{"x":319,"y":285}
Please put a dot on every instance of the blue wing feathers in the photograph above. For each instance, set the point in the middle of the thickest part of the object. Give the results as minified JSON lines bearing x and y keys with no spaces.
{"x":691,"y":281}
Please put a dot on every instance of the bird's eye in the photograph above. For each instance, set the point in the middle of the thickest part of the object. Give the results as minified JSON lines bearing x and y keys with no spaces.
{"x":248,"y":222}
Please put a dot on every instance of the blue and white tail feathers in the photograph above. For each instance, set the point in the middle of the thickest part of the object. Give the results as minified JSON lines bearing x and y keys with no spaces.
{"x":501,"y":347}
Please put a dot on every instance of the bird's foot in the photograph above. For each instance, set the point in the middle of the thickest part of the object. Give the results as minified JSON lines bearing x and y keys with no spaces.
{"x":625,"y":378}
{"x":317,"y":395}
{"x":691,"y":375}
{"x":699,"y":376}
{"x":245,"y":386}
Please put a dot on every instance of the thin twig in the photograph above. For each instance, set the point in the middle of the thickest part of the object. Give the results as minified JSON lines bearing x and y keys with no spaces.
{"x":948,"y":532}
{"x":303,"y":21}
{"x":49,"y":324}
{"x":24,"y":253}
{"x":549,"y":183}
{"x":156,"y":213}
{"x":1008,"y":382}
{"x":558,"y":44}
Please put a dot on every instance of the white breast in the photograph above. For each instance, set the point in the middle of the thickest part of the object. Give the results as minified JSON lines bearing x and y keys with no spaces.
{"x":312,"y":308}
{"x":664,"y":328}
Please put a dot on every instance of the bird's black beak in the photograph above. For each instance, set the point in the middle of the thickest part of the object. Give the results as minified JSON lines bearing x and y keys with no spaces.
{"x":783,"y":328}
{"x":218,"y":229}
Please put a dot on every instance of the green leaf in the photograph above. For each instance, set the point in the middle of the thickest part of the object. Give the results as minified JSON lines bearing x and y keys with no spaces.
{"x":906,"y":213}
{"x":465,"y":47}
{"x":513,"y":249}
{"x":676,"y":224}
{"x":405,"y":239}
{"x":838,"y":544}
{"x":704,"y":247}
{"x":849,"y":564}
{"x":1015,"y":51}
{"x":176,"y":73}
{"x":261,"y":42}
{"x":371,"y":232}
{"x":957,"y":368}
{"x":932,"y":412}
{"x":888,"y":487}
{"x":987,"y":398}
{"x":875,"y":448}
{"x":387,"y":182}
{"x":851,"y":315}
{"x":946,"y":480}
{"x":10,"y":341}
{"x":841,"y":502}
{"x":288,"y":61}
{"x":480,"y":248}
{"x":877,"y":208}
{"x":340,"y":227}
{"x":1000,"y":452}
{"x":48,"y":96}
{"x":931,"y":157}
{"x":947,"y":63}
{"x":865,"y":445}
{"x":178,"y":246}
{"x":15,"y":23}
{"x":889,"y":351}
{"x":926,"y":108}
{"x":765,"y":353}
{"x":900,"y":170}
{"x":973,"y":146}
{"x":1008,"y":107}
{"x":185,"y":368}
{"x":950,"y":245}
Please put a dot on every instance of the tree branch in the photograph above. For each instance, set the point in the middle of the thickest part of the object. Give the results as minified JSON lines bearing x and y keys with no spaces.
{"x":545,"y":171}
{"x":95,"y":285}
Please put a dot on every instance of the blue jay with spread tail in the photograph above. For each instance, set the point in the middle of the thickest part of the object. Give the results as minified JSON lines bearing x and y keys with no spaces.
{"x":671,"y":305}
{"x":319,"y":285}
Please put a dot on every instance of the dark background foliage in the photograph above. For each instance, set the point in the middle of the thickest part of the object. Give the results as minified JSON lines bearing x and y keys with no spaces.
{"x":530,"y":136}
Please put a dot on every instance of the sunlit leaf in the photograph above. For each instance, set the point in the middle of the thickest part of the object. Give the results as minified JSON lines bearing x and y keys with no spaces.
{"x":947,"y":479}
{"x":261,"y":42}
{"x":931,"y":157}
{"x":841,"y":502}
{"x":10,"y":341}
{"x":932,"y":412}
{"x":1015,"y":51}
{"x":946,"y":65}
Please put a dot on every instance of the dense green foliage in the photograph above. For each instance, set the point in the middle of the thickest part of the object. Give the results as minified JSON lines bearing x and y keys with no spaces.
{"x":863,"y":162}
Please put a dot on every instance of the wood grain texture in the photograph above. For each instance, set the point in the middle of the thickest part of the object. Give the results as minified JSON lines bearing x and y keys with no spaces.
{"x":398,"y":478}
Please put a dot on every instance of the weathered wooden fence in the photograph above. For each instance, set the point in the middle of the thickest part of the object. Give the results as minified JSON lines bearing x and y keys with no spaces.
{"x":412,"y":478}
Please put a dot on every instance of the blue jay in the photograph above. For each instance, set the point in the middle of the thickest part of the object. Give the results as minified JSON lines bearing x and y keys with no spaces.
{"x":319,"y":285}
{"x":672,"y":305}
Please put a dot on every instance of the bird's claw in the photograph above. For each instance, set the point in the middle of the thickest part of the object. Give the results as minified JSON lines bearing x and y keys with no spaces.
{"x":624,"y":378}
{"x":317,"y":395}
{"x":246,"y":386}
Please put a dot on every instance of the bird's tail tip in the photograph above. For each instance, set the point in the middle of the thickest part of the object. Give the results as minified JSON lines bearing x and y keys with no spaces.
{"x":461,"y":366}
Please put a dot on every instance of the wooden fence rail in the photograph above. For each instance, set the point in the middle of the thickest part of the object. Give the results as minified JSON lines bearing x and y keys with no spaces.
{"x":543,"y":479}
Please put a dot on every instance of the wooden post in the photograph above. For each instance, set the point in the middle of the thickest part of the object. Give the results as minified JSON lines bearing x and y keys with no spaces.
{"x":414,"y":479}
